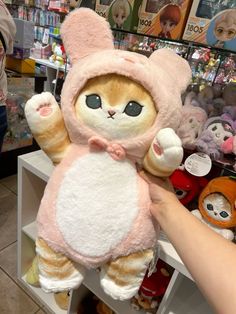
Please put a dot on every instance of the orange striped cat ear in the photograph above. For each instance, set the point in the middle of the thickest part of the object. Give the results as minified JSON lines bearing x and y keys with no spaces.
{"x":84,"y":32}
{"x":176,"y":66}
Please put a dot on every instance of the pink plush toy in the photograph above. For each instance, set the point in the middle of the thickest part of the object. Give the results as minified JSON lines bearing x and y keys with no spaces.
{"x":229,"y":147}
{"x":193,"y":119}
{"x":115,"y":106}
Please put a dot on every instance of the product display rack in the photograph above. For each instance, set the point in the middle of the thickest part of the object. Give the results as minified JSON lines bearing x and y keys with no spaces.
{"x":34,"y":170}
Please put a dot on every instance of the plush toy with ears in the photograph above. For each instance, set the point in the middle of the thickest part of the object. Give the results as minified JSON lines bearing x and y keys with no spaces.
{"x":192,"y":122}
{"x":216,"y":131}
{"x":186,"y":186}
{"x":115,"y":105}
{"x":217,"y":206}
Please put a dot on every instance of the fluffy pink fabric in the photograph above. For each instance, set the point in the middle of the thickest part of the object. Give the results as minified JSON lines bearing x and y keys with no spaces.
{"x":164,"y":75}
{"x":229,"y":146}
{"x":142,"y":235}
{"x":84,"y":32}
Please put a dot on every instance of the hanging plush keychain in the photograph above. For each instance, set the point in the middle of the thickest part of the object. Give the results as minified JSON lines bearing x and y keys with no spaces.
{"x":217,"y":206}
{"x":116,"y":106}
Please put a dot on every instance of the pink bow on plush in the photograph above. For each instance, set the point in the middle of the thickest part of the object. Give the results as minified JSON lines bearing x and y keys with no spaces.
{"x":116,"y":151}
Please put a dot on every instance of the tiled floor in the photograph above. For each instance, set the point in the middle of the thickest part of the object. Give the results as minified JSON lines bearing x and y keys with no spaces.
{"x":13,"y":299}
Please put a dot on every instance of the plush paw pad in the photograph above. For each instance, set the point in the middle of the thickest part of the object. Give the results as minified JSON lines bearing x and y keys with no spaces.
{"x":43,"y":104}
{"x":167,"y":148}
{"x":44,"y":110}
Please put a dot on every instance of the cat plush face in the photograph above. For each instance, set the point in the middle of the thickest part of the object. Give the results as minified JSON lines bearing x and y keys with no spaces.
{"x":88,"y":41}
{"x":218,"y":207}
{"x":217,"y":202}
{"x":115,"y":106}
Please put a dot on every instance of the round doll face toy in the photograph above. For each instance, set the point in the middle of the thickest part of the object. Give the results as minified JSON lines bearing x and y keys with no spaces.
{"x":169,"y":18}
{"x":120,"y":10}
{"x":217,"y":206}
{"x":225,"y":28}
{"x":95,"y":209}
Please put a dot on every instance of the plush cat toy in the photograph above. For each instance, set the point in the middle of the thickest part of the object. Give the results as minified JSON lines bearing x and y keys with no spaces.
{"x":116,"y":106}
{"x":217,"y":206}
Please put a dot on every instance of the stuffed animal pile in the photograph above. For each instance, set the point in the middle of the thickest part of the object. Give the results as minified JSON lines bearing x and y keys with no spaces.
{"x":209,"y":121}
{"x":118,"y":113}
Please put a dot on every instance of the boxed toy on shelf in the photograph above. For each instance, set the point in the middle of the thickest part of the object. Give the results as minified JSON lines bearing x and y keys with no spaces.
{"x":121,"y":14}
{"x":24,"y":34}
{"x":165,"y":18}
{"x":18,"y":133}
{"x":212,"y":23}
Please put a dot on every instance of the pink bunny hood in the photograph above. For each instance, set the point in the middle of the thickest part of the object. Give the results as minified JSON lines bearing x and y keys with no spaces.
{"x":89,"y":43}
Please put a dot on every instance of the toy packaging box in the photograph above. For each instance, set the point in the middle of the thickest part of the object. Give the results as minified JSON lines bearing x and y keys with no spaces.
{"x":121,"y":14}
{"x":24,"y":34}
{"x":212,"y":23}
{"x":163,"y":18}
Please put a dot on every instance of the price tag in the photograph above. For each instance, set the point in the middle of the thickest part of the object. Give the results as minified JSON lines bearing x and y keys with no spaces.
{"x":198,"y":164}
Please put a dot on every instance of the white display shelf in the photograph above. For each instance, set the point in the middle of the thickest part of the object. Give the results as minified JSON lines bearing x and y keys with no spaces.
{"x":45,"y":298}
{"x":49,"y":64}
{"x":52,"y":73}
{"x":34,"y":170}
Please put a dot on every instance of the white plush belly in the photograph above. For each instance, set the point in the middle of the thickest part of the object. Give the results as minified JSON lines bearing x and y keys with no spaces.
{"x":97,"y":203}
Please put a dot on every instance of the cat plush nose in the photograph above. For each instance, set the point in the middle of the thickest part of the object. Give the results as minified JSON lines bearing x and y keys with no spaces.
{"x":111,"y":112}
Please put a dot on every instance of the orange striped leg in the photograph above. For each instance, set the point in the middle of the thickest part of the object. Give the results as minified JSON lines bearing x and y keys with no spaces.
{"x":56,"y":272}
{"x":122,"y":277}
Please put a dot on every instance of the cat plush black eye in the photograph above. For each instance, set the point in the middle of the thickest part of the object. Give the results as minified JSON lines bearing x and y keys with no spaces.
{"x":133,"y":109}
{"x":224,"y":214}
{"x":93,"y":101}
{"x":210,"y":207}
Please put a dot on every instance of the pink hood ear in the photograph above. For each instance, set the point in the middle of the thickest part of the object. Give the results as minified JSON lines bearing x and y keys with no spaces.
{"x":177,"y":67}
{"x":85,"y":32}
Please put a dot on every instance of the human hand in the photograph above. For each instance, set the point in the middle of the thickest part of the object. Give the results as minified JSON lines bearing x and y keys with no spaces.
{"x":161,"y":192}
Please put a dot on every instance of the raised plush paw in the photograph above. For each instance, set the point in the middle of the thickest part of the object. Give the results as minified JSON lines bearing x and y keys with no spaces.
{"x":41,"y":111}
{"x":165,"y":153}
{"x":47,"y":125}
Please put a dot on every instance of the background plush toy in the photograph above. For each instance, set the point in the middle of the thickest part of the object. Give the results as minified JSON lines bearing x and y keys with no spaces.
{"x":62,"y":299}
{"x":152,"y":289}
{"x":217,"y":206}
{"x":216,"y":131}
{"x":229,"y":147}
{"x":229,"y":94}
{"x":95,"y":208}
{"x":102,"y":308}
{"x":58,"y":56}
{"x":187,"y":187}
{"x":192,"y":122}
